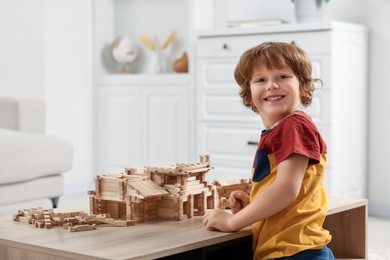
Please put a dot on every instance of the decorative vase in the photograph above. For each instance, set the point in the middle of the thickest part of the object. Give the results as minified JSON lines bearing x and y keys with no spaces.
{"x":309,"y":10}
{"x":181,"y":64}
{"x":158,"y":62}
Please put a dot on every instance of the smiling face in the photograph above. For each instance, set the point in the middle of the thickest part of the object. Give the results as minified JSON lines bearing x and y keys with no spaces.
{"x":275,"y":93}
{"x":275,"y":79}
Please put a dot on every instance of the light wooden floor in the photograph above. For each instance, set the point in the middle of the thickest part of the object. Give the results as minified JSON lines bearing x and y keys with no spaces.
{"x":378,"y":238}
{"x":378,"y":228}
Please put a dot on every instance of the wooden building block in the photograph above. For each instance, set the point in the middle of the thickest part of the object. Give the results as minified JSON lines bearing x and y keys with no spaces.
{"x":82,"y":228}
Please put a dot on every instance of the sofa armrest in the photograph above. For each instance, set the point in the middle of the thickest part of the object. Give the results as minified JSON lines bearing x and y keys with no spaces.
{"x":23,"y":114}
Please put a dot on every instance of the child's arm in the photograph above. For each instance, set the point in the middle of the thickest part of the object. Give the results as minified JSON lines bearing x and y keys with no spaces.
{"x":273,"y":199}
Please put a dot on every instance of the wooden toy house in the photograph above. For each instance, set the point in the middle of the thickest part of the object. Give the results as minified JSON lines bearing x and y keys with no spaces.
{"x":224,"y":188}
{"x":172,"y":192}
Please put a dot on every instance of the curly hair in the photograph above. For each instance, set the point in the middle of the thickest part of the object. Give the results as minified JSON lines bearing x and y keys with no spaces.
{"x":275,"y":55}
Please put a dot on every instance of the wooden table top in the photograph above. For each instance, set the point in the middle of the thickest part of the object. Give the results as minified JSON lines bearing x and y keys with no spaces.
{"x":142,"y":241}
{"x":338,"y":204}
{"x":147,"y":240}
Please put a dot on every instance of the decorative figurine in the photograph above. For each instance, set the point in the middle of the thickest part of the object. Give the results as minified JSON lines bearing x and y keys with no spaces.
{"x":181,"y":64}
{"x":124,"y":50}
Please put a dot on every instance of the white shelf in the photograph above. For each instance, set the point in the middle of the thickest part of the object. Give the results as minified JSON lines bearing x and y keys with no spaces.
{"x":143,"y":79}
{"x":284,"y":28}
{"x":154,"y":18}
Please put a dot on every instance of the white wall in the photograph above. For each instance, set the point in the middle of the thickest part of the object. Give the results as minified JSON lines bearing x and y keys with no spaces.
{"x":68,"y":83}
{"x":45,"y":52}
{"x":378,"y":19}
{"x":21,"y":48}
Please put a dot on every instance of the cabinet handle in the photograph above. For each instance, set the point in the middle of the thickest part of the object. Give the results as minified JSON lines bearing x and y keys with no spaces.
{"x":252,"y":143}
{"x":225,"y":46}
{"x":293,"y":43}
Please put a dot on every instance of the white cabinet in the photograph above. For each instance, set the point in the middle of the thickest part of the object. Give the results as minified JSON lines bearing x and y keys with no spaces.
{"x":227,"y":130}
{"x":140,"y":122}
{"x":141,"y":118}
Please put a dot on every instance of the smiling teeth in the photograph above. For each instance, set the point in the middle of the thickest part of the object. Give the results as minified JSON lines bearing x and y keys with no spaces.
{"x":274,"y":98}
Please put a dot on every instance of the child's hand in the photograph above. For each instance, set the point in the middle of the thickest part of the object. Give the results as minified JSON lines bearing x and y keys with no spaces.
{"x":238,"y":200}
{"x":218,"y":219}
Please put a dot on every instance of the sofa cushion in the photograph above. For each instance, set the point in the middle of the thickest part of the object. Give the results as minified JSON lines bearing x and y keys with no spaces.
{"x":53,"y":186}
{"x":9,"y":113}
{"x":26,"y":156}
{"x":23,"y":114}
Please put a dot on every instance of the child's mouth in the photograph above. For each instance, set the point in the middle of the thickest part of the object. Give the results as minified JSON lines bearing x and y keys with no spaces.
{"x":273,"y":98}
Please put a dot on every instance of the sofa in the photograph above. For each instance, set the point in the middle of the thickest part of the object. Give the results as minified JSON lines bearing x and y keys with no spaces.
{"x":32,"y":163}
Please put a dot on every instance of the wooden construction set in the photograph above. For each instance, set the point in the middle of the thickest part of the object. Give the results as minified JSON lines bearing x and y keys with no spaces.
{"x":73,"y":221}
{"x":175,"y":192}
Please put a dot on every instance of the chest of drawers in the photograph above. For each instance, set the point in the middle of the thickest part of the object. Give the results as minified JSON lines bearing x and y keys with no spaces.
{"x":229,"y":131}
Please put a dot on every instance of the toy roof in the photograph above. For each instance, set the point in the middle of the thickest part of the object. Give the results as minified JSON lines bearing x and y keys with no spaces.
{"x":146,"y":189}
{"x":180,"y":168}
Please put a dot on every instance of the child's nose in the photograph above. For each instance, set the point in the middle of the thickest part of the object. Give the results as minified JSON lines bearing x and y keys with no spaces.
{"x":272,"y":85}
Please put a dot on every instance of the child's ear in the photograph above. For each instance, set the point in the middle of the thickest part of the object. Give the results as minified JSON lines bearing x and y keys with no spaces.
{"x":301,"y":92}
{"x":302,"y":88}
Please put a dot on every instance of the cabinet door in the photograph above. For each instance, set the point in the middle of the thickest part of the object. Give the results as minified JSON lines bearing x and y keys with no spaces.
{"x":165,"y":123}
{"x":232,"y":147}
{"x":218,"y":93}
{"x":118,"y":138}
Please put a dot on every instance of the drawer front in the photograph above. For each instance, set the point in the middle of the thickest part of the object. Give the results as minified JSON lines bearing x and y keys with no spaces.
{"x":238,"y":140}
{"x":216,"y":106}
{"x":232,"y":156}
{"x":319,"y":108}
{"x":231,"y":140}
{"x":228,"y":106}
{"x":217,"y":73}
{"x":234,"y":46}
{"x":233,"y":148}
{"x":321,"y":69}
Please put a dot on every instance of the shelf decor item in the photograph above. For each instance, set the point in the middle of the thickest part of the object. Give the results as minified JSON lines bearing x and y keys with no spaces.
{"x":181,"y":64}
{"x":309,"y":10}
{"x":124,"y":50}
{"x":158,"y":59}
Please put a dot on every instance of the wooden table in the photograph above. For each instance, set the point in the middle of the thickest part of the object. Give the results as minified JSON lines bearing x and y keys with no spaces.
{"x":347,"y":222}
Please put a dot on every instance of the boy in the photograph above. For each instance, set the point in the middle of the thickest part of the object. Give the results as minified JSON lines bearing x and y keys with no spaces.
{"x":288,"y":204}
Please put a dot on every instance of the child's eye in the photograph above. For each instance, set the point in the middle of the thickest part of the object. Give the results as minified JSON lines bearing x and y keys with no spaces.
{"x":260,"y":80}
{"x":283,"y":76}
